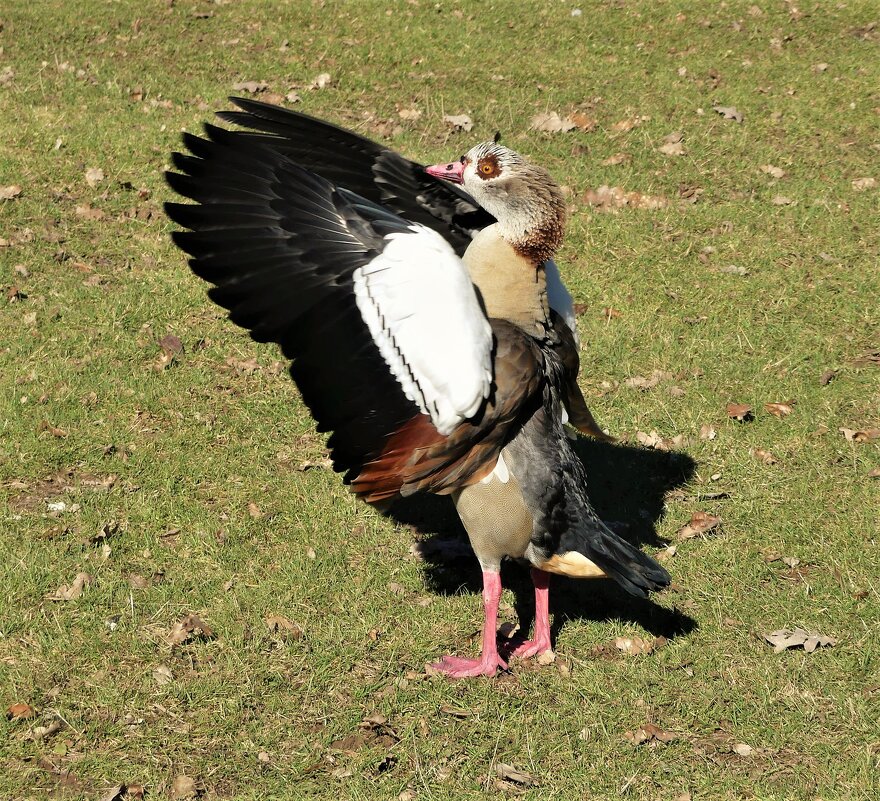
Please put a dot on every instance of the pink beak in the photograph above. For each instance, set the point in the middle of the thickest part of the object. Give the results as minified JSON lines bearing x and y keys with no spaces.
{"x":453,"y":172}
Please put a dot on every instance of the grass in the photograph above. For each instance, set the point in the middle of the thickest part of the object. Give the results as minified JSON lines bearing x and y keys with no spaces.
{"x":255,"y":713}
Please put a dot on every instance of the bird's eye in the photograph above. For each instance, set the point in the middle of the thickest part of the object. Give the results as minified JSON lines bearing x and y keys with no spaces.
{"x":486,"y":169}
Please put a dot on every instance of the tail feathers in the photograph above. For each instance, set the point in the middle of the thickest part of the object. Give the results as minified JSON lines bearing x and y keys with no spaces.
{"x":630,"y":567}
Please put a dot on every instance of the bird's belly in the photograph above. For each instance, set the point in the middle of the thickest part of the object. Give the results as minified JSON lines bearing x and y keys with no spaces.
{"x":496,"y":518}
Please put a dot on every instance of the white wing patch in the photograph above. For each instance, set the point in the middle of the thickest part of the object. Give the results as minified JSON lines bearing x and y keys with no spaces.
{"x":558,"y":297}
{"x":419,"y":304}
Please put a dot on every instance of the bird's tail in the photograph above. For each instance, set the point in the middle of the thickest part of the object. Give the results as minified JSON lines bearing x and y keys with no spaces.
{"x":591,"y":549}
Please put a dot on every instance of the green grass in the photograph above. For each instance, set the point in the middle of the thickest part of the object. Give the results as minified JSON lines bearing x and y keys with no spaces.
{"x":251,"y":713}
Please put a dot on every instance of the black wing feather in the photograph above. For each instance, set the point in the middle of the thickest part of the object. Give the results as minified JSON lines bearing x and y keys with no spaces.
{"x":280,"y":244}
{"x":363,"y":166}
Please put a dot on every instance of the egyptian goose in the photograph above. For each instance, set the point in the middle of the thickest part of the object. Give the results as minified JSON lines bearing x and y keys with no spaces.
{"x":434,"y":360}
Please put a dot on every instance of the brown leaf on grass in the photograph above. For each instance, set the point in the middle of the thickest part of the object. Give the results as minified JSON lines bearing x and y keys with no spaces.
{"x":87,"y":212}
{"x":610,"y":313}
{"x":162,"y":675}
{"x":409,"y":114}
{"x":875,"y":473}
{"x":780,"y":409}
{"x":863,"y":184}
{"x":19,"y":711}
{"x":870,"y":358}
{"x":763,"y":456}
{"x":617,"y":158}
{"x":278,"y":624}
{"x":827,"y":377}
{"x":315,"y":464}
{"x":73,"y":591}
{"x":859,"y":435}
{"x":651,"y":734}
{"x":783,"y":639}
{"x":742,"y":749}
{"x":740,"y":411}
{"x":729,"y":113}
{"x":551,"y":122}
{"x":45,"y":425}
{"x":700,"y":523}
{"x":94,"y":176}
{"x":773,"y":172}
{"x":654,"y":440}
{"x":243,"y":366}
{"x":513,"y":779}
{"x":582,"y":121}
{"x":673,"y":144}
{"x":10,"y":192}
{"x":707,"y":431}
{"x":251,"y":87}
{"x":628,"y":124}
{"x":459,"y":122}
{"x":45,"y":732}
{"x":187,"y":628}
{"x":321,"y":81}
{"x":118,"y":792}
{"x":640,"y":382}
{"x":183,"y":787}
{"x":782,"y":200}
{"x":254,"y":510}
{"x":613,"y":198}
{"x":171,"y":343}
{"x":635,"y":646}
{"x":138,"y":582}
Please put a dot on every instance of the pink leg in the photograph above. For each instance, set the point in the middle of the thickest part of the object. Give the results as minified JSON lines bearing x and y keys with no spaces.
{"x":489,"y":662}
{"x":541,"y":641}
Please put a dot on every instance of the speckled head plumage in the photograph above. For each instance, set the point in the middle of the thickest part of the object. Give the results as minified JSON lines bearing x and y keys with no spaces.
{"x":522,"y":196}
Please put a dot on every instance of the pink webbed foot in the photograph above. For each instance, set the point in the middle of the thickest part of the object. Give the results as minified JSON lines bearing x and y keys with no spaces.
{"x":540,"y":643}
{"x":519,"y":648}
{"x":457,"y":668}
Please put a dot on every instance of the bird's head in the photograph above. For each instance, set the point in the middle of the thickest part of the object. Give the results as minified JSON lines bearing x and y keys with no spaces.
{"x":522,"y":196}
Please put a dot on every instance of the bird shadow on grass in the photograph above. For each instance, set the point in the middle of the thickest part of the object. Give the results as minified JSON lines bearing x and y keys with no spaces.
{"x":626,"y":485}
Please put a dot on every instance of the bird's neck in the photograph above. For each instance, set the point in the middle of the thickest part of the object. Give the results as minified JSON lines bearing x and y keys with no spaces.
{"x":513,"y":285}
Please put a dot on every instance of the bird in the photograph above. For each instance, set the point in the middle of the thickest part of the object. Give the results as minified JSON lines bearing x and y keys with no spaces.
{"x":417,"y":307}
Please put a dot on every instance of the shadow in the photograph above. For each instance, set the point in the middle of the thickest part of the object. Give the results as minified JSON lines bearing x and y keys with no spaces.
{"x":626,"y":485}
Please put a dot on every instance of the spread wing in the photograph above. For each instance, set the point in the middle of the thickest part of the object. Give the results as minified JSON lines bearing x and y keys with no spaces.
{"x":365,"y":167}
{"x":391,"y":350}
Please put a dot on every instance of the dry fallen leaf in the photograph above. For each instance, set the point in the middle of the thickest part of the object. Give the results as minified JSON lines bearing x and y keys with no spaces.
{"x":649,"y":733}
{"x":863,"y":184}
{"x":739,"y":411}
{"x":409,"y":114}
{"x":784,"y":639}
{"x":729,"y":113}
{"x":763,"y":456}
{"x":613,"y":198}
{"x":780,"y":409}
{"x":617,"y":158}
{"x":782,"y":200}
{"x":673,"y":144}
{"x":19,"y":711}
{"x":459,"y":122}
{"x":72,"y":592}
{"x":183,"y":787}
{"x":854,"y":435}
{"x":284,"y":626}
{"x":634,"y":646}
{"x":875,"y":473}
{"x":773,"y":172}
{"x":94,"y":176}
{"x":162,"y":674}
{"x":707,"y":431}
{"x":87,"y":212}
{"x":322,"y":81}
{"x":700,"y":523}
{"x":551,"y":122}
{"x":640,"y":382}
{"x":742,"y":749}
{"x":188,"y":627}
{"x":252,"y":87}
{"x":10,"y":192}
{"x":509,"y":775}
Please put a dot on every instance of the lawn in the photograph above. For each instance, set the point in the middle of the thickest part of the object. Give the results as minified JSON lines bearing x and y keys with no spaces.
{"x":241,"y":627}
